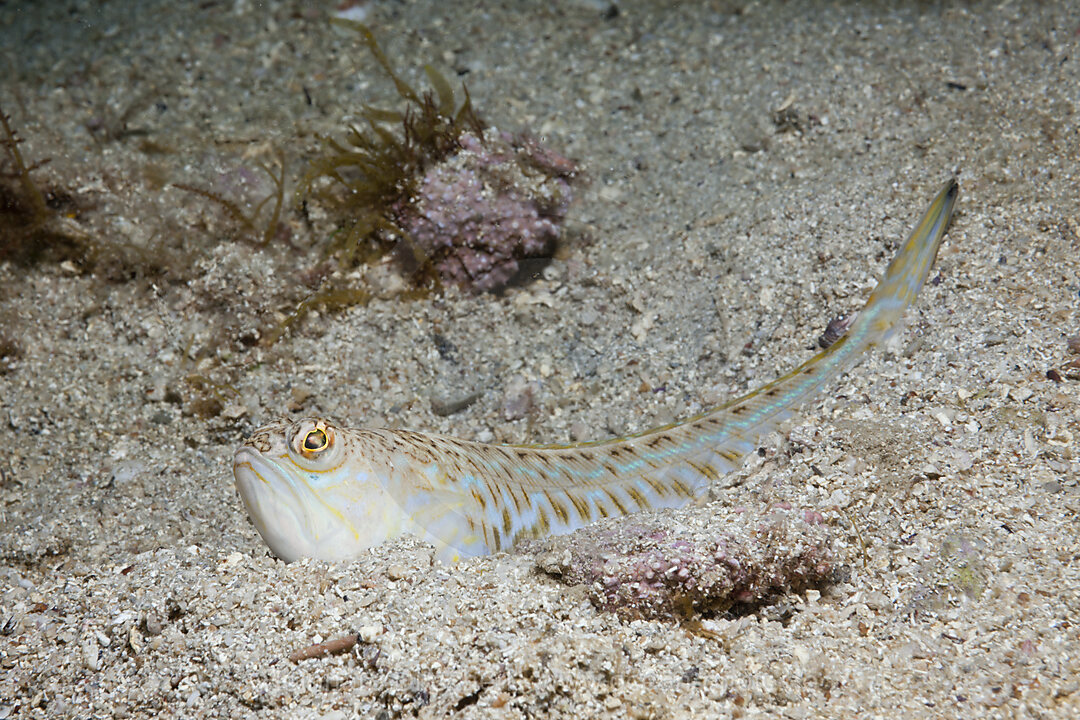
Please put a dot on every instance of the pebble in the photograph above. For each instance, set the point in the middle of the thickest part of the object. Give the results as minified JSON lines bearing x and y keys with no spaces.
{"x":91,"y":655}
{"x":135,"y":640}
{"x":368,"y":633}
{"x":1020,"y":394}
{"x":519,"y":398}
{"x":944,"y":415}
{"x":450,"y":403}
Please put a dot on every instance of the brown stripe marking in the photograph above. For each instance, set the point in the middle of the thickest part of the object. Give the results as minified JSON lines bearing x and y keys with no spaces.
{"x":507,"y":522}
{"x":542,"y":524}
{"x":581,"y":506}
{"x":637,"y":497}
{"x":479,"y":499}
{"x":658,"y":487}
{"x":558,"y":508}
{"x":494,"y":490}
{"x":730,"y":455}
{"x":615,"y":501}
{"x":704,"y":469}
{"x":585,"y":457}
{"x":521,"y":497}
{"x":497,"y":538}
{"x":682,"y":488}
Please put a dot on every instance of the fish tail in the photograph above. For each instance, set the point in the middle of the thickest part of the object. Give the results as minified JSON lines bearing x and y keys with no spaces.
{"x":908,"y":270}
{"x":717,"y":439}
{"x":872,"y":326}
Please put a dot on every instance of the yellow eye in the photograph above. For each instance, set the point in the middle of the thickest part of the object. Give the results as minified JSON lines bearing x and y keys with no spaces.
{"x":313,"y":444}
{"x":315,"y":441}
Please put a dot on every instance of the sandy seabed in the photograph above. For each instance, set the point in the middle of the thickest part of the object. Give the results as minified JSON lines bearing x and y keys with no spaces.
{"x":750,"y":169}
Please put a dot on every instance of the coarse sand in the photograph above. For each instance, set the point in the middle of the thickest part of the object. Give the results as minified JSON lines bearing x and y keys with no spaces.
{"x":748,"y":169}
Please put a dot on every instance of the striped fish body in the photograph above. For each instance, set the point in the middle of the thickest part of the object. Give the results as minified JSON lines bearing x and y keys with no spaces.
{"x":317,"y":490}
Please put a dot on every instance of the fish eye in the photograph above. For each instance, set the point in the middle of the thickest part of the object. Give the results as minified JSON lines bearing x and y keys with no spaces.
{"x":315,"y":441}
{"x":312,"y":440}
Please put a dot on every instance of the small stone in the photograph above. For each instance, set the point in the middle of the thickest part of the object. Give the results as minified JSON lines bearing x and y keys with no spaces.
{"x":640,"y":328}
{"x":368,"y":633}
{"x":397,"y":572}
{"x":1031,"y":448}
{"x":610,"y":193}
{"x":135,"y":640}
{"x":154,"y":625}
{"x":234,"y":411}
{"x":299,"y":396}
{"x":801,"y":654}
{"x":579,"y":431}
{"x":477,"y":213}
{"x":1020,"y":394}
{"x":91,"y":655}
{"x":876,"y":600}
{"x":448,"y":404}
{"x":519,"y":398}
{"x":944,"y":416}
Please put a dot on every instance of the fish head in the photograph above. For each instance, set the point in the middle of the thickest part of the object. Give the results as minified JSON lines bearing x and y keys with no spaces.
{"x":309,"y":494}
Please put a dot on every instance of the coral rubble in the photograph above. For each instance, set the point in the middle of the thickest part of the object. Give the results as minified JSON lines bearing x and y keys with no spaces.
{"x":640,"y":568}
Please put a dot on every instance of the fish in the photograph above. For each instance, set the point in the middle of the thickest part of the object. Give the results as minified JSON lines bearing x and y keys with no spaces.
{"x":314,"y":488}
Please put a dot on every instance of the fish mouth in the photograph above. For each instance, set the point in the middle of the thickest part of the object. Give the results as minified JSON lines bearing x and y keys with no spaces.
{"x":275,"y":501}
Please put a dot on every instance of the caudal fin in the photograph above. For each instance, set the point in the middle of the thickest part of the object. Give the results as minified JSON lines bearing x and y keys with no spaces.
{"x":908,"y":270}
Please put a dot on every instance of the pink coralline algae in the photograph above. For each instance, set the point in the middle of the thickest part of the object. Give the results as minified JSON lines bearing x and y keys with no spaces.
{"x":645,"y":569}
{"x":476,"y":214}
{"x":459,"y":202}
